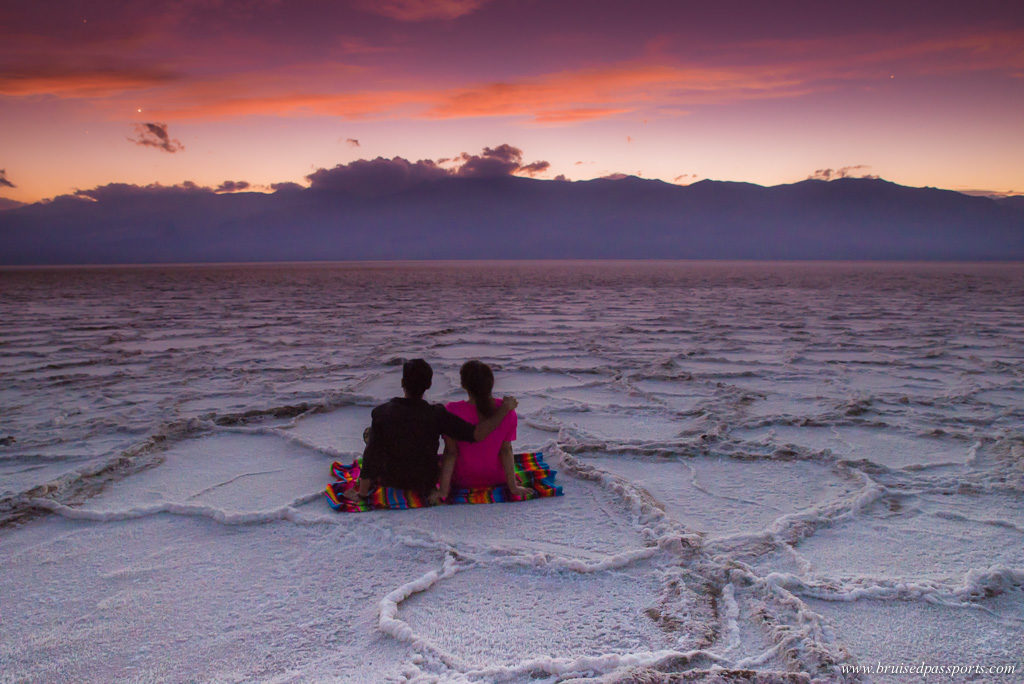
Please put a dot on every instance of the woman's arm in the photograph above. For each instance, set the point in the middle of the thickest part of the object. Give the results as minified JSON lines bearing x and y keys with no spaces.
{"x":511,"y":481}
{"x":451,"y":452}
{"x":489,"y":425}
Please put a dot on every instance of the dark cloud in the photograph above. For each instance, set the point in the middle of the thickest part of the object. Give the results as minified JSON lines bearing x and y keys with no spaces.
{"x":352,"y":141}
{"x":156,"y":135}
{"x":371,"y":177}
{"x":561,"y":177}
{"x":683,"y":177}
{"x":494,"y":162}
{"x":232,"y":186}
{"x":286,"y":187}
{"x":535,"y":168}
{"x":3,"y":180}
{"x":381,"y":176}
{"x":125,"y":191}
{"x":502,"y":160}
{"x":855,"y":171}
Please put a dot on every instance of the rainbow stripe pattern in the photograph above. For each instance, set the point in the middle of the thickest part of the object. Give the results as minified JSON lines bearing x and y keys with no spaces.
{"x":532,"y":471}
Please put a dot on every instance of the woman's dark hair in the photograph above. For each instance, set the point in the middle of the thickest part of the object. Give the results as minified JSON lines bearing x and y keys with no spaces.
{"x":478,"y":380}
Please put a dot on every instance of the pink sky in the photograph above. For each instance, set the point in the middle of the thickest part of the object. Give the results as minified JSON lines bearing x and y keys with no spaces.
{"x":267,"y":91}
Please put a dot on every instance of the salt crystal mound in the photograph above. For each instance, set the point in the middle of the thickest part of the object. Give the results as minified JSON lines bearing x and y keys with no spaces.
{"x":771,"y":472}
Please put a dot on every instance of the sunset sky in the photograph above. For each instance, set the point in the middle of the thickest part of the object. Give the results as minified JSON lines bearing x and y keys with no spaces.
{"x":268,"y":91}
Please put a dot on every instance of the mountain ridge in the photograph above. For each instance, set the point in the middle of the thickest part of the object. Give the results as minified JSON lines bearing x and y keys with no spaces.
{"x":511,"y":217}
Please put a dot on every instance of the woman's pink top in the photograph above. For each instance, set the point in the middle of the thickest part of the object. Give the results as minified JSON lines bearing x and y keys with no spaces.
{"x":479,"y":463}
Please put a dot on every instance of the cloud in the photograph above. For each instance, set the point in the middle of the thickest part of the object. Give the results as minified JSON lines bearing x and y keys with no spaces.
{"x":420,"y":10}
{"x":998,"y":194}
{"x":577,"y":115}
{"x":381,"y":176}
{"x":654,"y":86}
{"x":68,"y":81}
{"x":855,"y":171}
{"x":155,"y":135}
{"x":3,"y":180}
{"x":494,"y":162}
{"x":286,"y":187}
{"x":683,"y":177}
{"x":373,"y":177}
{"x":535,"y":168}
{"x":232,"y":186}
{"x":502,"y":160}
{"x":113,"y":192}
{"x":352,"y":141}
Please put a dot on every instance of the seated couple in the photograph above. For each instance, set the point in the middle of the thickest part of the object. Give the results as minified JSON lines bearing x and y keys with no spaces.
{"x":401,"y":447}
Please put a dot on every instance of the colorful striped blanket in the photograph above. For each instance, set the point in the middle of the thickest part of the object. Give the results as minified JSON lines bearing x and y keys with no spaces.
{"x":531,"y":470}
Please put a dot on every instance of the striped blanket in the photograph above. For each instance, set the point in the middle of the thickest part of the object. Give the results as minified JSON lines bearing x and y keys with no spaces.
{"x":531,"y":470}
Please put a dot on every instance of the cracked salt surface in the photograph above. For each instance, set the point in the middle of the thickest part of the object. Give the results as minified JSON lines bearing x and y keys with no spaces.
{"x":783,"y":468}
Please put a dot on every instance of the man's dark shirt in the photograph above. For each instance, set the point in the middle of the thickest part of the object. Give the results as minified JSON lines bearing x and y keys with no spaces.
{"x":403,"y":445}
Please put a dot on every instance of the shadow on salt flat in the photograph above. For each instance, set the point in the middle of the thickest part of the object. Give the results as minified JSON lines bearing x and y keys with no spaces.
{"x":588,"y":522}
{"x":338,"y":430}
{"x":600,"y":396}
{"x":879,"y":445}
{"x":793,"y":387}
{"x":912,"y":632}
{"x":1008,"y":398}
{"x":505,"y":616}
{"x":626,"y":426}
{"x":574,"y":362}
{"x":218,"y":403}
{"x":679,"y":395}
{"x":22,"y":469}
{"x":773,"y":404}
{"x":901,"y":540}
{"x":516,"y":382}
{"x":230,"y":472}
{"x":163,"y":344}
{"x":723,"y":497}
{"x":16,"y":478}
{"x":136,"y":600}
{"x":389,"y":385}
{"x":907,"y":382}
{"x":488,"y":353}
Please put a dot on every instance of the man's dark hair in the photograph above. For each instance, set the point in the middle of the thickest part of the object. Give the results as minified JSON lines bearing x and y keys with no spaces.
{"x":416,"y":377}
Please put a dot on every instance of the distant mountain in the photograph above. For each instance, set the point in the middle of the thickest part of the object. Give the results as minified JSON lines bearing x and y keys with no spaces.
{"x":516,"y":218}
{"x":9,"y":204}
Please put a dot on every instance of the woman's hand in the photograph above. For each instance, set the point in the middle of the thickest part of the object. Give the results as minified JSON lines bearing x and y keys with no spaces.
{"x":518,"y":492}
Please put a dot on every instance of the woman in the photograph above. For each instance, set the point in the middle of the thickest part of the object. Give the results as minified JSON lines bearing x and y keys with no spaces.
{"x":488,"y":462}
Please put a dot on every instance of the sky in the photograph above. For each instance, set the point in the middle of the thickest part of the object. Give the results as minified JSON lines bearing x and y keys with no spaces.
{"x":244,"y":94}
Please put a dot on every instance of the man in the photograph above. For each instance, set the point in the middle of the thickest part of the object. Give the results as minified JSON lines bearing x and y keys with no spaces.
{"x":402,"y":447}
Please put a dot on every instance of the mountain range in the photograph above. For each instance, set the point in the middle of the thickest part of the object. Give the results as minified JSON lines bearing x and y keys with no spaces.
{"x":511,"y":217}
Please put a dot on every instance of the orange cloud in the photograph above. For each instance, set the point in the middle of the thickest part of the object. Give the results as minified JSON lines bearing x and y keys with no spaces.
{"x":570,"y":116}
{"x":777,"y":69}
{"x":79,"y":83}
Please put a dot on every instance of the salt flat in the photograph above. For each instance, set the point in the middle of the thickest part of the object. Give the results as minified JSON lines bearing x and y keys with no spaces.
{"x":767,"y":467}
